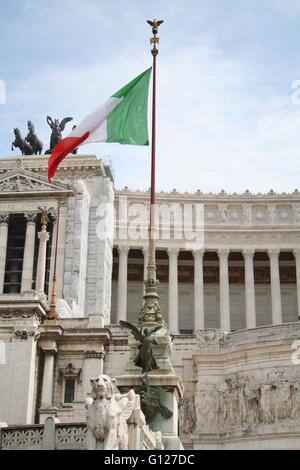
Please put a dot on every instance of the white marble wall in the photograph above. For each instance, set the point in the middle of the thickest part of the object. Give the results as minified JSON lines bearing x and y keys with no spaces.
{"x":99,"y":256}
{"x":76,"y":250}
{"x":18,"y":373}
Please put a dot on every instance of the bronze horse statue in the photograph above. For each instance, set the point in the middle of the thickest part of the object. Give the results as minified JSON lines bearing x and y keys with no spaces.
{"x":57,"y":128}
{"x":21,"y":143}
{"x":33,"y":140}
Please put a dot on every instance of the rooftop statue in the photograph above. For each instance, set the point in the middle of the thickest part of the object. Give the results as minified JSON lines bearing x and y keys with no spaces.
{"x":145,"y":358}
{"x":33,"y":140}
{"x":21,"y":143}
{"x":57,"y":128}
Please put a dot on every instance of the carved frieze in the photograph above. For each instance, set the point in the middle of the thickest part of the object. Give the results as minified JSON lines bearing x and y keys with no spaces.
{"x":94,"y":354}
{"x":240,"y":403}
{"x":26,"y":312}
{"x":24,"y":334}
{"x":21,"y":183}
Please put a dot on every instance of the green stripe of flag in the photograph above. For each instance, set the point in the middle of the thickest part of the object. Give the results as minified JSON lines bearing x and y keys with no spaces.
{"x":127,"y":123}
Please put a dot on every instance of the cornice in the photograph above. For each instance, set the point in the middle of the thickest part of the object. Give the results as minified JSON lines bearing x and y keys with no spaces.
{"x":72,"y":164}
{"x":222,"y":196}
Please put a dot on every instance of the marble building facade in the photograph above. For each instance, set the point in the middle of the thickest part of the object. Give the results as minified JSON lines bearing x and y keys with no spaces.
{"x":231,"y":304}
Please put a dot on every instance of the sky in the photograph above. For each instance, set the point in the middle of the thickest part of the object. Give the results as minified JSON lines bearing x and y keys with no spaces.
{"x":228,"y":117}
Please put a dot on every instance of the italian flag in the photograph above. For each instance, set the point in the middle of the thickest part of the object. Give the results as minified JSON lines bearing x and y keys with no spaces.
{"x":122,"y":118}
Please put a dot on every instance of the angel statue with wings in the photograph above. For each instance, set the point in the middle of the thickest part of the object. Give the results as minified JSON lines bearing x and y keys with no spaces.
{"x":145,"y":358}
{"x":57,"y":128}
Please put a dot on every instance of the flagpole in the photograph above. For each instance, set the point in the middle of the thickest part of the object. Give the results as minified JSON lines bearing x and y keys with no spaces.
{"x":154,"y":51}
{"x":152,"y":196}
{"x":150,"y":313}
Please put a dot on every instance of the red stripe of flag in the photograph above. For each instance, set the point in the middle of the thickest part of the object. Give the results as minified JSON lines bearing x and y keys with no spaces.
{"x":61,"y":150}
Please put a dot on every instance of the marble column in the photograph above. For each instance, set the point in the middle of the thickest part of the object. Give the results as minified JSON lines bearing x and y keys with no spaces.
{"x":3,"y":248}
{"x":275,"y":286}
{"x":224,"y":290}
{"x":52,"y":258}
{"x":173,"y":290}
{"x":61,"y":246}
{"x":28,"y":256}
{"x":249,"y":289}
{"x":122,"y":283}
{"x":297,"y":258}
{"x":46,"y":400}
{"x":41,"y":265}
{"x":198,"y":290}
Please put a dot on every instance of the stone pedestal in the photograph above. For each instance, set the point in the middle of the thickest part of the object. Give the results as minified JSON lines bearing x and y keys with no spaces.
{"x":169,"y":385}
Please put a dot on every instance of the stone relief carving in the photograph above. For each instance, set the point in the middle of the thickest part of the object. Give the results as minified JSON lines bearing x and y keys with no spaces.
{"x":20,"y":312}
{"x":70,"y":372}
{"x":107,"y":413}
{"x":296,"y":212}
{"x":20,"y":183}
{"x":187,"y":413}
{"x":240,"y":403}
{"x":223,"y":213}
{"x":210,"y":337}
{"x":247,"y":214}
{"x":24,"y":334}
{"x":20,"y":438}
{"x":91,"y":354}
{"x":272,"y":212}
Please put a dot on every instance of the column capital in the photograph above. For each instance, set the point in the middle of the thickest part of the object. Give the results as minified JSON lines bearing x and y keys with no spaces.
{"x":296,"y":252}
{"x":173,"y":252}
{"x":123,"y":250}
{"x":54,"y":216}
{"x":223,"y":252}
{"x":198,"y":253}
{"x":248,"y":253}
{"x":30,"y":217}
{"x":4,"y":218}
{"x":273,"y":252}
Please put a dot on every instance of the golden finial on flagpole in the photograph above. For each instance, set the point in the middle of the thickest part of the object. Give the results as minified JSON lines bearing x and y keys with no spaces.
{"x":155,"y":40}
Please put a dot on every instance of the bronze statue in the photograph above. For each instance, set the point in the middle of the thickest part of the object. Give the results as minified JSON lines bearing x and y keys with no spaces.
{"x":21,"y":143}
{"x":151,"y":400}
{"x":57,"y":128}
{"x":145,"y":358}
{"x":75,"y":150}
{"x":33,"y":140}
